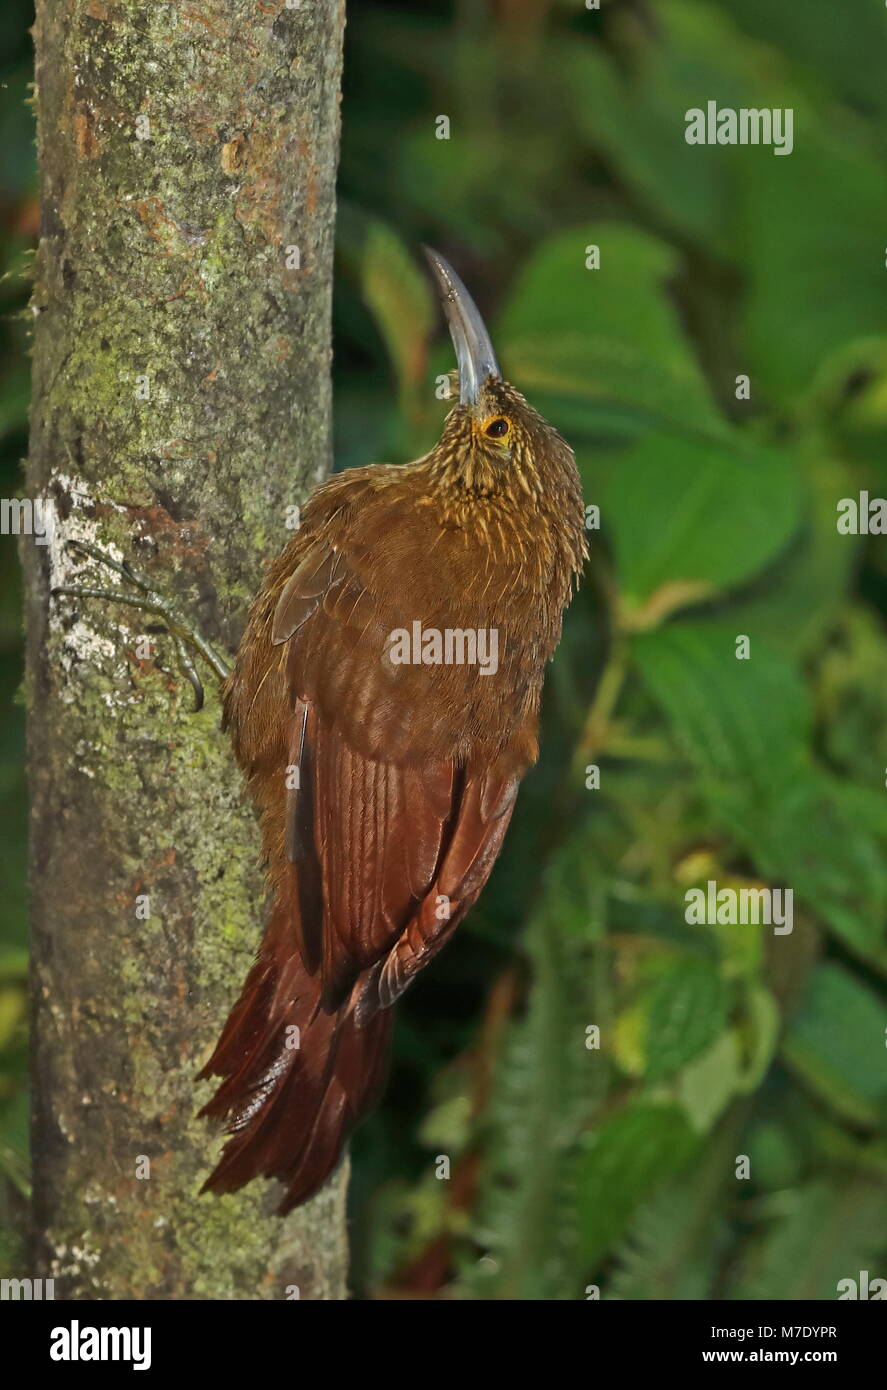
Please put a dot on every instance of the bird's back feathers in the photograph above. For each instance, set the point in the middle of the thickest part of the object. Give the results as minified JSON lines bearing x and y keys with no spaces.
{"x":384,"y":790}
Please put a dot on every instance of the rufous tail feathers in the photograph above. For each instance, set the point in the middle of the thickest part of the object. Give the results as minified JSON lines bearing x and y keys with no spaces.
{"x":297,"y":1078}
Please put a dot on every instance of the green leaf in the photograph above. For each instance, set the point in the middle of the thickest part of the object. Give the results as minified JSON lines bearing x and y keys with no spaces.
{"x":710,"y":1082}
{"x":759,"y":1034}
{"x":743,"y":722}
{"x":393,"y":288}
{"x":631,"y":1154}
{"x":745,"y":725}
{"x":607,"y":337}
{"x":687,"y":1010}
{"x":684,"y":511}
{"x":632,"y":112}
{"x":810,"y":835}
{"x":797,"y":235}
{"x":573,"y":890}
{"x":845,"y":45}
{"x":807,"y":585}
{"x":836,"y":1043}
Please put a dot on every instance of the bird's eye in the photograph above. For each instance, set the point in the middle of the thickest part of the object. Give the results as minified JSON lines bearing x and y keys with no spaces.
{"x":497,"y":428}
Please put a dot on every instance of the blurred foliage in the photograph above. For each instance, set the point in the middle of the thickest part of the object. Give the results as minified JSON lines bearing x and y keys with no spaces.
{"x":616,"y":1165}
{"x":595,"y":1069}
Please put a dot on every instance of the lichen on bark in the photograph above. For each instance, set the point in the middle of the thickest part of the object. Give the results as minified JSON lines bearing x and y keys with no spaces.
{"x":180,"y":411}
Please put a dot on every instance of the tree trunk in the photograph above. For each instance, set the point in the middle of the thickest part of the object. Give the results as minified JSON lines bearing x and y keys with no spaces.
{"x":180,"y":411}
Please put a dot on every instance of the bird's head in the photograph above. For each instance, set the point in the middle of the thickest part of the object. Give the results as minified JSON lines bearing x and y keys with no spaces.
{"x":493,"y":440}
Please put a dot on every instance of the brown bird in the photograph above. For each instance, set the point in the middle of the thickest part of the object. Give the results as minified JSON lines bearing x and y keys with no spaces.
{"x":384,"y":706}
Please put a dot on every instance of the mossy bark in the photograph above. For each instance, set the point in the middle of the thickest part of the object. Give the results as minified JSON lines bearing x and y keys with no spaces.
{"x":180,"y":411}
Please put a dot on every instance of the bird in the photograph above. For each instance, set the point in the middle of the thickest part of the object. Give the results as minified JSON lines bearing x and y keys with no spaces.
{"x":383,"y":707}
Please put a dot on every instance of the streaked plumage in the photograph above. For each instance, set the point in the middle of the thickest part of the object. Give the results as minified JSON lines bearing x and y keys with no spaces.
{"x":407,"y":773}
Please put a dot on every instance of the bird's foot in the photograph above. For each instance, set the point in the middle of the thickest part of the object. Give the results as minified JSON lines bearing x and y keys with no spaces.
{"x":141,"y":595}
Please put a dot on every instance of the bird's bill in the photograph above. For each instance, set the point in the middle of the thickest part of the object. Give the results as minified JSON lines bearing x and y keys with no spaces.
{"x":474,"y":351}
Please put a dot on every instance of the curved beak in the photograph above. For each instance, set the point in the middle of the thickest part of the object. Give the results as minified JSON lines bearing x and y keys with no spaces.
{"x":474,"y":351}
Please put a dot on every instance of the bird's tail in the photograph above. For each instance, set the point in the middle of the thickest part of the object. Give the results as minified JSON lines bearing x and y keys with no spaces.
{"x":296,"y":1077}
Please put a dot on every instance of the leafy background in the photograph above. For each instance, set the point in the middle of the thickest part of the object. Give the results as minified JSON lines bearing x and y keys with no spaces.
{"x":615,"y":1166}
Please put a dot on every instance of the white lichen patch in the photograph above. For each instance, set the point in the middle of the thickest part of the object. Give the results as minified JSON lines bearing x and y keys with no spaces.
{"x":69,"y":1261}
{"x":84,"y":749}
{"x":85,"y":640}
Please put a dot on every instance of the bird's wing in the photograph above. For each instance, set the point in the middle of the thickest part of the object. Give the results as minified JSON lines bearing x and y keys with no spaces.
{"x":477,"y":827}
{"x":374,"y":856}
{"x":387,"y":854}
